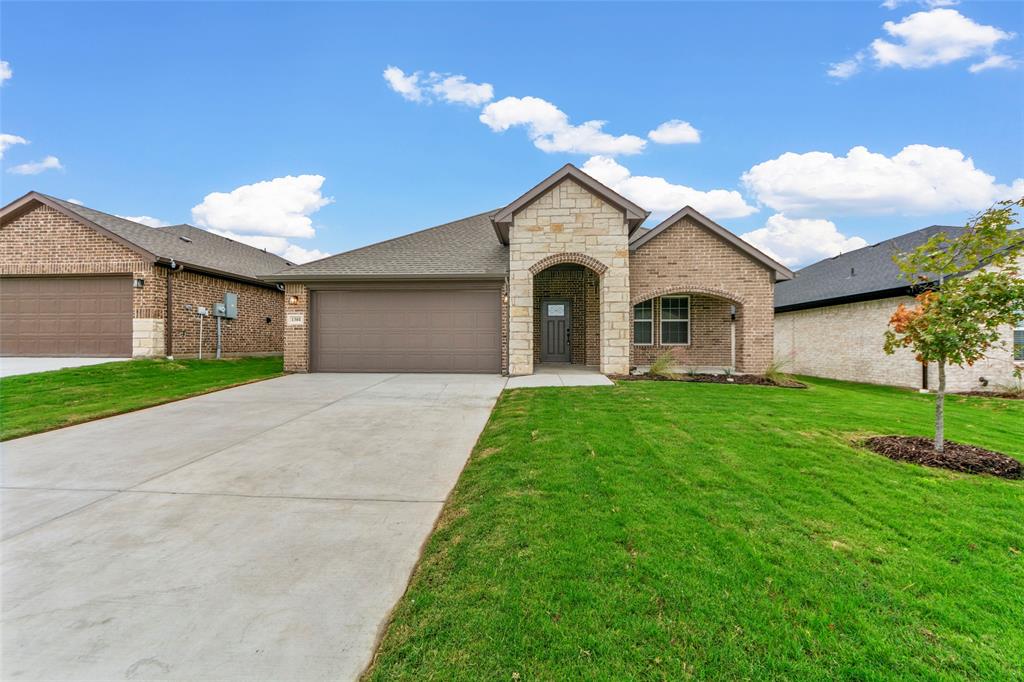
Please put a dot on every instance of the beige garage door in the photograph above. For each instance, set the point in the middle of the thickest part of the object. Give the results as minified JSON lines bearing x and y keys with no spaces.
{"x":437,"y":330}
{"x":66,"y":316}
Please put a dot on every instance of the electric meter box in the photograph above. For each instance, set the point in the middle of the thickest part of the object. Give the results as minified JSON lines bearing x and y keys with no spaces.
{"x":228,"y":307}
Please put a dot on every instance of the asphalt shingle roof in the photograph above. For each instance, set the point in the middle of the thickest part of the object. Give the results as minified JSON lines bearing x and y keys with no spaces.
{"x":203,"y":251}
{"x":462,"y":248}
{"x":856,"y":273}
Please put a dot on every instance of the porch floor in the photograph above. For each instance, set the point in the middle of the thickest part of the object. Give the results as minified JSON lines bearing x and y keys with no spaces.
{"x":559,"y":374}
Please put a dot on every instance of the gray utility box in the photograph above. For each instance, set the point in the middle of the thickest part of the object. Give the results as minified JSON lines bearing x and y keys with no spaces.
{"x":227,"y":308}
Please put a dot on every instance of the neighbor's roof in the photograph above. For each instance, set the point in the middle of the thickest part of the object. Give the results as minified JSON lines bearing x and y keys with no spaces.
{"x":860,"y":275}
{"x":463,"y":249}
{"x":203,"y":251}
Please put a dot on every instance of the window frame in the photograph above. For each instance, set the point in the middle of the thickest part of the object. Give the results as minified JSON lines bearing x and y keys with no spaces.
{"x":1017,"y":329}
{"x":662,"y":321}
{"x":649,"y":321}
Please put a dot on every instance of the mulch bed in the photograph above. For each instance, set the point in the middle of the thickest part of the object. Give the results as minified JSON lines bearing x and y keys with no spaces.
{"x":956,"y":456}
{"x":1016,"y":395}
{"x":749,"y":379}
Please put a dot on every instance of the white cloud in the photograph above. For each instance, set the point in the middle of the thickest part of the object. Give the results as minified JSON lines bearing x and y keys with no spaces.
{"x":278,"y":245}
{"x":149,"y":221}
{"x":408,"y":86}
{"x":920,"y":179}
{"x":457,"y":90}
{"x":549,"y":128}
{"x":6,"y":72}
{"x":451,"y":88}
{"x":663,"y":197}
{"x":8,"y":140}
{"x":279,"y":207}
{"x":76,"y":202}
{"x":931,"y":4}
{"x":798,"y":241}
{"x":926,"y":39}
{"x":674,"y":132}
{"x":996,"y":61}
{"x":265,"y":214}
{"x":37,"y":167}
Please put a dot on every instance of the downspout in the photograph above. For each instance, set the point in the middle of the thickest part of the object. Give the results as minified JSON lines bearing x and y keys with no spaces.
{"x":169,"y":319}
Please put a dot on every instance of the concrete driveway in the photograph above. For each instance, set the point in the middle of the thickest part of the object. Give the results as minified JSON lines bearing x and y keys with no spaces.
{"x":262,"y":532}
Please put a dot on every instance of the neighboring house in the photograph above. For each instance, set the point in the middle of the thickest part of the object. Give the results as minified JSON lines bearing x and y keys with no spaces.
{"x":563,"y":274}
{"x":78,"y":282}
{"x":830,"y":321}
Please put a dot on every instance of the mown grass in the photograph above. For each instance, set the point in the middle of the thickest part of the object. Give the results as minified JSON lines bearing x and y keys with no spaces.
{"x":31,"y":403}
{"x":671,"y":531}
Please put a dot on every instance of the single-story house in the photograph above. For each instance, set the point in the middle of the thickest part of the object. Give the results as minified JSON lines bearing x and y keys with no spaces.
{"x":78,"y":282}
{"x":830,"y":321}
{"x":563,"y":274}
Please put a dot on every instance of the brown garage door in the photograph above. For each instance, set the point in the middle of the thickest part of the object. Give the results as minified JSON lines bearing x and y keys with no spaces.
{"x":437,"y":330}
{"x":66,"y":316}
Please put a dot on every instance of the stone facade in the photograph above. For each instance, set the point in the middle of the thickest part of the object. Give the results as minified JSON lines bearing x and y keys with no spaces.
{"x":568,"y":223}
{"x":45,"y":242}
{"x":845,"y":342}
{"x":688,"y":259}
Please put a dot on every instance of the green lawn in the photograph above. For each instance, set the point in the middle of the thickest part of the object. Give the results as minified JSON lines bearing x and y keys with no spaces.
{"x":32,"y":403}
{"x":671,"y":531}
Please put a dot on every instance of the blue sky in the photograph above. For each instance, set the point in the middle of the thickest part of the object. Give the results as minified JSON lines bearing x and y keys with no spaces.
{"x":283,"y":109}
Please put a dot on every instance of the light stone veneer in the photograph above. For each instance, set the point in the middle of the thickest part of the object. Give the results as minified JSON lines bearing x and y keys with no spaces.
{"x":845,"y":342}
{"x":147,"y":337}
{"x":569,"y":219}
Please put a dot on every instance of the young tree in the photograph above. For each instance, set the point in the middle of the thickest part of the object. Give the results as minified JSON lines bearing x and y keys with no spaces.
{"x":972,"y":286}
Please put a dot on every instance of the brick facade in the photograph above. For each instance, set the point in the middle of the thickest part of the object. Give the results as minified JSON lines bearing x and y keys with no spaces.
{"x":296,"y":336}
{"x":845,"y":342}
{"x":574,"y":225}
{"x":688,"y":259}
{"x":45,"y":242}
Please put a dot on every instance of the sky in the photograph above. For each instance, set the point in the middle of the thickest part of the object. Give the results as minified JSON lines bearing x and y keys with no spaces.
{"x":312,"y":128}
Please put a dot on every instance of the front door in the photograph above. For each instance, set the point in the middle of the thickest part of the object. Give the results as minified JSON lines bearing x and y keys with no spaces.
{"x":555,"y":330}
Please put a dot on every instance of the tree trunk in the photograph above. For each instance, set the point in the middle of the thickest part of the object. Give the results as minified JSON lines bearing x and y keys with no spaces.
{"x":940,"y":400}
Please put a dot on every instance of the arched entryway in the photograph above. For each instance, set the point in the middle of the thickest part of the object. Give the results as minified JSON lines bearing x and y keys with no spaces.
{"x":567,"y":310}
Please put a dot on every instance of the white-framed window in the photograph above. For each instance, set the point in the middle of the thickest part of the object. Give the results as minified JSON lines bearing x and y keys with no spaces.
{"x":1018,"y":338}
{"x":643,"y":323}
{"x":675,"y":320}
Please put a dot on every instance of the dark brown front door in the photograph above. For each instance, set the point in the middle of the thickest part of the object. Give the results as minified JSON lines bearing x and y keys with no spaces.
{"x":66,"y":316}
{"x":555,"y":330}
{"x":406,"y":330}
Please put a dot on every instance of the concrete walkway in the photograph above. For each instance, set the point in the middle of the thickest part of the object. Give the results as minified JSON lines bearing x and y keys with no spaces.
{"x":10,"y":367}
{"x":262,"y":532}
{"x":560,"y":374}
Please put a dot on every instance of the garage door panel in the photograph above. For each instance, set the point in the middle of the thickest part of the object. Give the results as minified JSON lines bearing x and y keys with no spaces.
{"x":66,"y":316}
{"x":409,"y":330}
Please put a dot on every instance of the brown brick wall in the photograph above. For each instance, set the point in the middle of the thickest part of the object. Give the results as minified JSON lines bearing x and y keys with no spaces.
{"x":710,"y":336}
{"x":688,"y":259}
{"x":296,"y":337}
{"x":581,"y":287}
{"x":249,"y":334}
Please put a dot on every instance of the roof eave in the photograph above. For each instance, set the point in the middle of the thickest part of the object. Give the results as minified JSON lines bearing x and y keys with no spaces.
{"x":299,"y":277}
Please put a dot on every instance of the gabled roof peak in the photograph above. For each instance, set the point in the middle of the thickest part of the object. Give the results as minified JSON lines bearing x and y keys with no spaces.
{"x":502,"y":220}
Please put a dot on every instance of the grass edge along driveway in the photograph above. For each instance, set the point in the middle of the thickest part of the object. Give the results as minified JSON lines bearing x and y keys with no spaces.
{"x":33,"y":403}
{"x":673,"y":531}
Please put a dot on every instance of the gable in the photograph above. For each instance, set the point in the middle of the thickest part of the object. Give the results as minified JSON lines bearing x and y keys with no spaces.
{"x":699,"y":223}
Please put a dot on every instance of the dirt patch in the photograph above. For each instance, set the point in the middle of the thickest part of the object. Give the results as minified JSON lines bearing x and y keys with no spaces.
{"x":747,"y":379}
{"x":1010,"y":395}
{"x":956,"y":456}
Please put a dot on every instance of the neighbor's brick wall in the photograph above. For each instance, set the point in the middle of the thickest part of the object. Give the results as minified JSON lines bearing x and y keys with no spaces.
{"x":710,"y":337}
{"x":845,"y":342}
{"x":249,"y":334}
{"x":296,"y":337}
{"x":44,"y":241}
{"x":581,"y":287}
{"x":688,"y":259}
{"x":569,"y":219}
